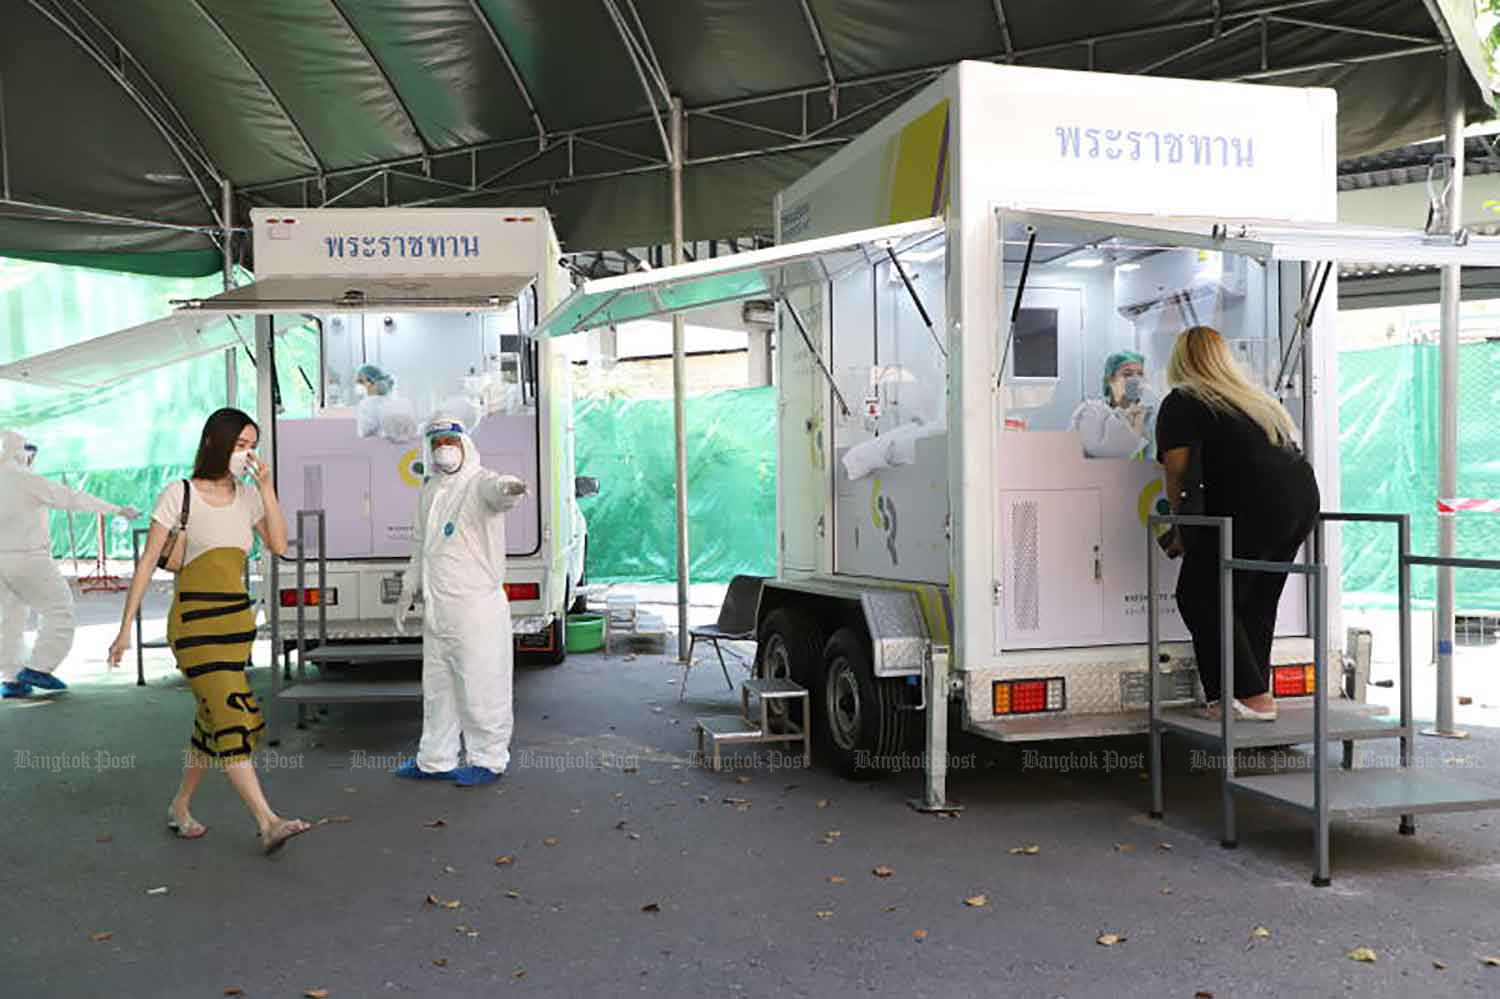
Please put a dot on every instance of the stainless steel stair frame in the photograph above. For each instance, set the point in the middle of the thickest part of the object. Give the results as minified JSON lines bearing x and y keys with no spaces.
{"x":321,"y":520}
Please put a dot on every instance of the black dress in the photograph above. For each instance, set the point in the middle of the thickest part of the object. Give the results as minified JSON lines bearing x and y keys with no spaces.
{"x":1272,"y":494}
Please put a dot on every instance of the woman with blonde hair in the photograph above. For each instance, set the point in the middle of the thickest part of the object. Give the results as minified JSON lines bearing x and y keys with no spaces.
{"x":1229,"y":449}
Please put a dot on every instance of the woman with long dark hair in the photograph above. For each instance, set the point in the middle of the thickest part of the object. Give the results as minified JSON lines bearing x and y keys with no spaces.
{"x":211,"y":626}
{"x":1253,"y":471}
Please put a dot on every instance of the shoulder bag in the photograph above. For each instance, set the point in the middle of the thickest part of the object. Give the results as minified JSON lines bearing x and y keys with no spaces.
{"x":174,"y":553}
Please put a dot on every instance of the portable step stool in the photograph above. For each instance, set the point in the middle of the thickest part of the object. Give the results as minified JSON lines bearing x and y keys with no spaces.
{"x":717,"y":731}
{"x":1402,"y":791}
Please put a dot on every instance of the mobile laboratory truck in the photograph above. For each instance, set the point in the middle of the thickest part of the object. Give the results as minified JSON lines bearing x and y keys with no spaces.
{"x":949,"y":285}
{"x":444,"y":300}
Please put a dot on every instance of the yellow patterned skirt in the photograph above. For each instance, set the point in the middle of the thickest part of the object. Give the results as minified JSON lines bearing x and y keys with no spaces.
{"x":211,"y":628}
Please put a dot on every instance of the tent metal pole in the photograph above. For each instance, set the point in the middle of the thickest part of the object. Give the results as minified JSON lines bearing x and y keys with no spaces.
{"x":1452,"y":290}
{"x":679,"y":392}
{"x":226,"y":244}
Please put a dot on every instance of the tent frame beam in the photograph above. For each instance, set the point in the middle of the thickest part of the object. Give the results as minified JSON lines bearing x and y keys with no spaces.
{"x":515,"y":73}
{"x":175,"y":142}
{"x":765,"y":140}
{"x":411,"y":122}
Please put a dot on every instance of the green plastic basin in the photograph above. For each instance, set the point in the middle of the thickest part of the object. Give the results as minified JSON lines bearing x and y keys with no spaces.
{"x":585,"y":632}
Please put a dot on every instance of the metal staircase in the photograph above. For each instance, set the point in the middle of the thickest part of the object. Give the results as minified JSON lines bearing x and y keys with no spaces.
{"x":1402,"y":791}
{"x":717,"y":731}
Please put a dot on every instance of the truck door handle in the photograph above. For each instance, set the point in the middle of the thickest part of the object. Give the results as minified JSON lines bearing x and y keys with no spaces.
{"x":1098,"y":566}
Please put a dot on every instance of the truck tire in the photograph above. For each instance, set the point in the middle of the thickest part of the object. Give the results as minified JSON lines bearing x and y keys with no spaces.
{"x":553,"y":657}
{"x":864,"y":718}
{"x":790,"y":647}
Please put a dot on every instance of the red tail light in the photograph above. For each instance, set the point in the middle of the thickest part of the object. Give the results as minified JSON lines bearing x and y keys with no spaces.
{"x":311,"y":597}
{"x":1293,"y":681}
{"x":523,"y":591}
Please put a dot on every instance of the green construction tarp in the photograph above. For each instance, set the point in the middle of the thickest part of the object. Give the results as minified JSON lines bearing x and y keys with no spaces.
{"x":628,"y":446}
{"x":1388,"y":445}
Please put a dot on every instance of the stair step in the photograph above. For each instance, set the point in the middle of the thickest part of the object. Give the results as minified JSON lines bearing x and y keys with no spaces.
{"x":1294,"y":725}
{"x":1363,"y":794}
{"x":729,"y":728}
{"x":774,"y":687}
{"x":332,"y":692}
{"x":385,"y":652}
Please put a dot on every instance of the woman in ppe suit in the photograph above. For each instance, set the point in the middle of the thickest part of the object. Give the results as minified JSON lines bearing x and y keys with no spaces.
{"x":458,"y":568}
{"x":29,"y":579}
{"x":1118,"y":424}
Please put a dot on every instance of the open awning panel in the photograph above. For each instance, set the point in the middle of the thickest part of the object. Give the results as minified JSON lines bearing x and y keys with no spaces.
{"x":357,"y":293}
{"x":1290,"y":241}
{"x":115,"y":357}
{"x":769,"y":273}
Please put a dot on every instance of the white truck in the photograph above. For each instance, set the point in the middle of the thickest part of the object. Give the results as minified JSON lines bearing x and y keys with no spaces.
{"x":444,"y":300}
{"x":949,"y":286}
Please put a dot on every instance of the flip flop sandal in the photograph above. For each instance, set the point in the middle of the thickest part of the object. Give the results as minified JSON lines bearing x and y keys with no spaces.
{"x":281,"y":832}
{"x":192,"y":829}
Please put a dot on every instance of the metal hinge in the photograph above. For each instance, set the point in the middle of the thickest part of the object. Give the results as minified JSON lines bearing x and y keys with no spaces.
{"x":997,"y":591}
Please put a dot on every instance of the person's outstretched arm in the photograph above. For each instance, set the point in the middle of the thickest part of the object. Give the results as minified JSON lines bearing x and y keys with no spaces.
{"x":61,"y":497}
{"x":500,"y":493}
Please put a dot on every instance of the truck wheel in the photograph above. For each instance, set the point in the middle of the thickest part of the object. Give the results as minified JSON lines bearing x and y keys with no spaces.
{"x":790,"y":648}
{"x":558,"y":653}
{"x":863,"y":722}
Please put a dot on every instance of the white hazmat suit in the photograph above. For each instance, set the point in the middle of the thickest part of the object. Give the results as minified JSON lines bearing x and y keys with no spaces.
{"x":458,"y":568}
{"x":29,"y":579}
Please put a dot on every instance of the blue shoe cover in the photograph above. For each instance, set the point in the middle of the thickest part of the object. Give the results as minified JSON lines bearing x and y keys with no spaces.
{"x":40,"y":680}
{"x":411,"y":771}
{"x":475,"y":776}
{"x":11,"y":688}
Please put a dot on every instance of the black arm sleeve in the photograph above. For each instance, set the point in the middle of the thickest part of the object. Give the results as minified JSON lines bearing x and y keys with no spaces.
{"x":1180,"y":422}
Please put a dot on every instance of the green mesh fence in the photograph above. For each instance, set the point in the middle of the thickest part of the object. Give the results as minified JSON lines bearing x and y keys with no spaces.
{"x":1388,"y":405}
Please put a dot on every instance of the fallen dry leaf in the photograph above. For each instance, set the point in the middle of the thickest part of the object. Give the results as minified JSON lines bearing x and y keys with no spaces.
{"x":630,"y":770}
{"x":1109,"y":939}
{"x":316,"y":993}
{"x":518,"y":973}
{"x":633,"y":835}
{"x":512,"y":894}
{"x":1363,"y":954}
{"x":551,"y":841}
{"x":453,"y":903}
{"x":1260,"y":933}
{"x":1029,"y":850}
{"x":157,"y":891}
{"x":334,"y":819}
{"x":1124,"y":847}
{"x":1166,"y":891}
{"x":1164,"y":846}
{"x":1203,"y":994}
{"x":1490,"y":962}
{"x":104,"y":838}
{"x":824,"y":914}
{"x":621,"y":824}
{"x":977,"y":901}
{"x":736,"y":801}
{"x":448,"y":869}
{"x":834,"y":879}
{"x":651,"y":907}
{"x":441,"y":962}
{"x":504,"y":861}
{"x":436,"y":823}
{"x":618,"y":795}
{"x":742,"y":780}
{"x":823,"y":802}
{"x":1440,"y":966}
{"x":887,"y":908}
{"x":101,"y":936}
{"x":234,"y":990}
{"x":919,"y":935}
{"x":883,"y":871}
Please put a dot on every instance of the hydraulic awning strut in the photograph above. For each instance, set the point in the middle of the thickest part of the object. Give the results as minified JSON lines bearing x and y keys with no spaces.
{"x":916,"y":300}
{"x":797,"y":320}
{"x":1015,"y":308}
{"x":1305,"y":313}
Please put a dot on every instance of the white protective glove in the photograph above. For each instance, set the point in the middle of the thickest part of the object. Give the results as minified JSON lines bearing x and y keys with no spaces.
{"x":515,"y":487}
{"x":403,"y":608}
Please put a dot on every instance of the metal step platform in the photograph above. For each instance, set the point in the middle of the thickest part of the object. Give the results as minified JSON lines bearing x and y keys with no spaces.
{"x":372,"y":653}
{"x":1368,"y":794}
{"x":1347,"y":722}
{"x":717,"y":731}
{"x":1322,"y":792}
{"x":337,"y":692}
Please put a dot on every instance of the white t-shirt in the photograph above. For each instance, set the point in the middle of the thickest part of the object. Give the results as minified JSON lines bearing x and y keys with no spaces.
{"x":211,"y":527}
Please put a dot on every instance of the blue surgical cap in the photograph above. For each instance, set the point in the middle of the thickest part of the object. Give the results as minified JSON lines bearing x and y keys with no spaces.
{"x":382,"y":382}
{"x":1116,"y":361}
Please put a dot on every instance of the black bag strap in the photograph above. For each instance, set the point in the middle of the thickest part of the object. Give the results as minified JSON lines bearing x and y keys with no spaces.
{"x":187,"y":502}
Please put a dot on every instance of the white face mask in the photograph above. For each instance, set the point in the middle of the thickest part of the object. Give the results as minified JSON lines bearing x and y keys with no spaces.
{"x":448,"y":458}
{"x":239,"y":461}
{"x":360,"y":391}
